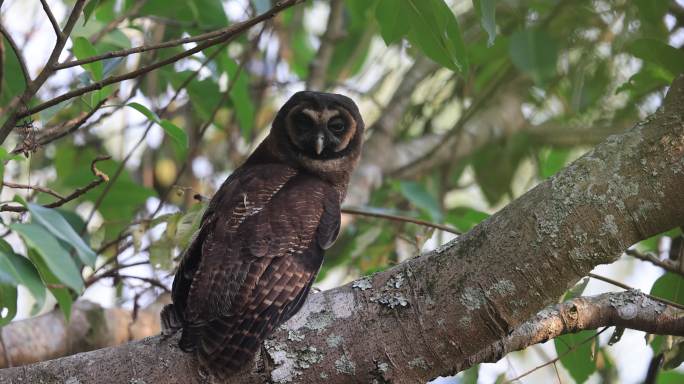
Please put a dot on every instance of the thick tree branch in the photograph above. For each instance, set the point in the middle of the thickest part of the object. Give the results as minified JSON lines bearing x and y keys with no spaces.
{"x":91,"y":327}
{"x":459,"y":304}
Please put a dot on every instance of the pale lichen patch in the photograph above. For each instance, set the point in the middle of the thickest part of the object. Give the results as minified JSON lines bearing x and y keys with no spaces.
{"x":72,"y":380}
{"x":334,"y":341}
{"x":343,"y":304}
{"x":419,"y":362}
{"x":472,"y":298}
{"x":608,"y":226}
{"x":362,"y":284}
{"x":345,"y":366}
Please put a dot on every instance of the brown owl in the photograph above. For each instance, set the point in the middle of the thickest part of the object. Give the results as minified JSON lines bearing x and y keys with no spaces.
{"x":262,"y":238}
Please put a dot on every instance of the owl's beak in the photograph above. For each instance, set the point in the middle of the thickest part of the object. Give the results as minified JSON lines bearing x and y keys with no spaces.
{"x":319,"y":143}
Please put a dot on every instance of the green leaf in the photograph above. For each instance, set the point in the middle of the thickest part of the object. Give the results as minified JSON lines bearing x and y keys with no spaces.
{"x":82,"y":50}
{"x":470,"y":375}
{"x":657,"y":52}
{"x":576,"y":290}
{"x":435,"y":31}
{"x":421,"y":198}
{"x":8,"y":275}
{"x":486,"y":10}
{"x":465,"y":218}
{"x":175,"y":132}
{"x":551,"y":161}
{"x":393,"y":18}
{"x":8,"y":303}
{"x":62,"y":295}
{"x":28,"y":276}
{"x":669,"y":286}
{"x":51,"y":220}
{"x":580,"y":362}
{"x":90,"y":8}
{"x":534,"y":53}
{"x":56,"y":259}
{"x":145,"y":111}
{"x":670,"y":377}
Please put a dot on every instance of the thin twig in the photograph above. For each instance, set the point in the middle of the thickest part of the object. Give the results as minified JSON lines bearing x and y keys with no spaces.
{"x":209,"y":121}
{"x":19,"y":104}
{"x":78,"y":192}
{"x":17,"y":53}
{"x":130,"y":153}
{"x":569,"y":351}
{"x":53,"y":21}
{"x":356,"y":211}
{"x":226,"y":36}
{"x":651,"y":258}
{"x":148,"y":280}
{"x":38,"y":188}
{"x":627,"y":287}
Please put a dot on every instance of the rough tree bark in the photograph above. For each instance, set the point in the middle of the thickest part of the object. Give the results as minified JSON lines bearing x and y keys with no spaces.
{"x":49,"y":336}
{"x":464,"y":302}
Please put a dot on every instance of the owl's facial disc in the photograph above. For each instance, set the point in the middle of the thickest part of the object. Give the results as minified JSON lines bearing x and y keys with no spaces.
{"x":320,"y":133}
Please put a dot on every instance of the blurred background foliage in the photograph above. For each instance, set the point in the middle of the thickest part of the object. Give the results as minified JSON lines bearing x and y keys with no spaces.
{"x":468,"y":105}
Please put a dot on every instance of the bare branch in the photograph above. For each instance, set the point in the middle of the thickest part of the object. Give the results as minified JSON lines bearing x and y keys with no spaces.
{"x":38,"y":188}
{"x":68,"y":127}
{"x":101,"y":178}
{"x":53,"y":21}
{"x":627,"y":287}
{"x":318,"y":69}
{"x":653,"y":259}
{"x":361,"y":212}
{"x":226,"y":36}
{"x":18,"y":105}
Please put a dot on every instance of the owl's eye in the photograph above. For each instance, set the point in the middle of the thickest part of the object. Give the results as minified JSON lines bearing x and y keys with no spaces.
{"x":336,"y":125}
{"x":303,"y":122}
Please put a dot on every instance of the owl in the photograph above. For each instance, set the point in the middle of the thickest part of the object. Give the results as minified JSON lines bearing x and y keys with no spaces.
{"x":262,"y":238}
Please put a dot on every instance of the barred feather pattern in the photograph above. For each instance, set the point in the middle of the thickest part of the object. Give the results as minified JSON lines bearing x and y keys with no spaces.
{"x":252,"y":263}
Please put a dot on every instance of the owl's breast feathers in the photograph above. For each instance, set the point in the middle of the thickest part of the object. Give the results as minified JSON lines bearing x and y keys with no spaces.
{"x":252,"y":263}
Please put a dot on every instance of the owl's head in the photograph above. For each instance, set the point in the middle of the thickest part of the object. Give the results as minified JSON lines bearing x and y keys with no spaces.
{"x":321,"y":131}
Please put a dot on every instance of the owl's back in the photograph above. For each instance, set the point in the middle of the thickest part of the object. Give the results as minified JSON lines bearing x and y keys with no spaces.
{"x":252,"y":263}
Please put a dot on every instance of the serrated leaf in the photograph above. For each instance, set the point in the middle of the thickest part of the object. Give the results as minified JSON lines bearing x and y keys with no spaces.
{"x":56,"y":224}
{"x":579,"y":363}
{"x":56,"y":259}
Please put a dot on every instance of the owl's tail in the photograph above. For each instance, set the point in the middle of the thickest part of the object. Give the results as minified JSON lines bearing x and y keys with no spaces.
{"x":226,"y":345}
{"x":170,"y":320}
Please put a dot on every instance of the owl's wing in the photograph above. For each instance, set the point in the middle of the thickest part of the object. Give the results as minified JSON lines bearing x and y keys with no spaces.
{"x":253,"y":262}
